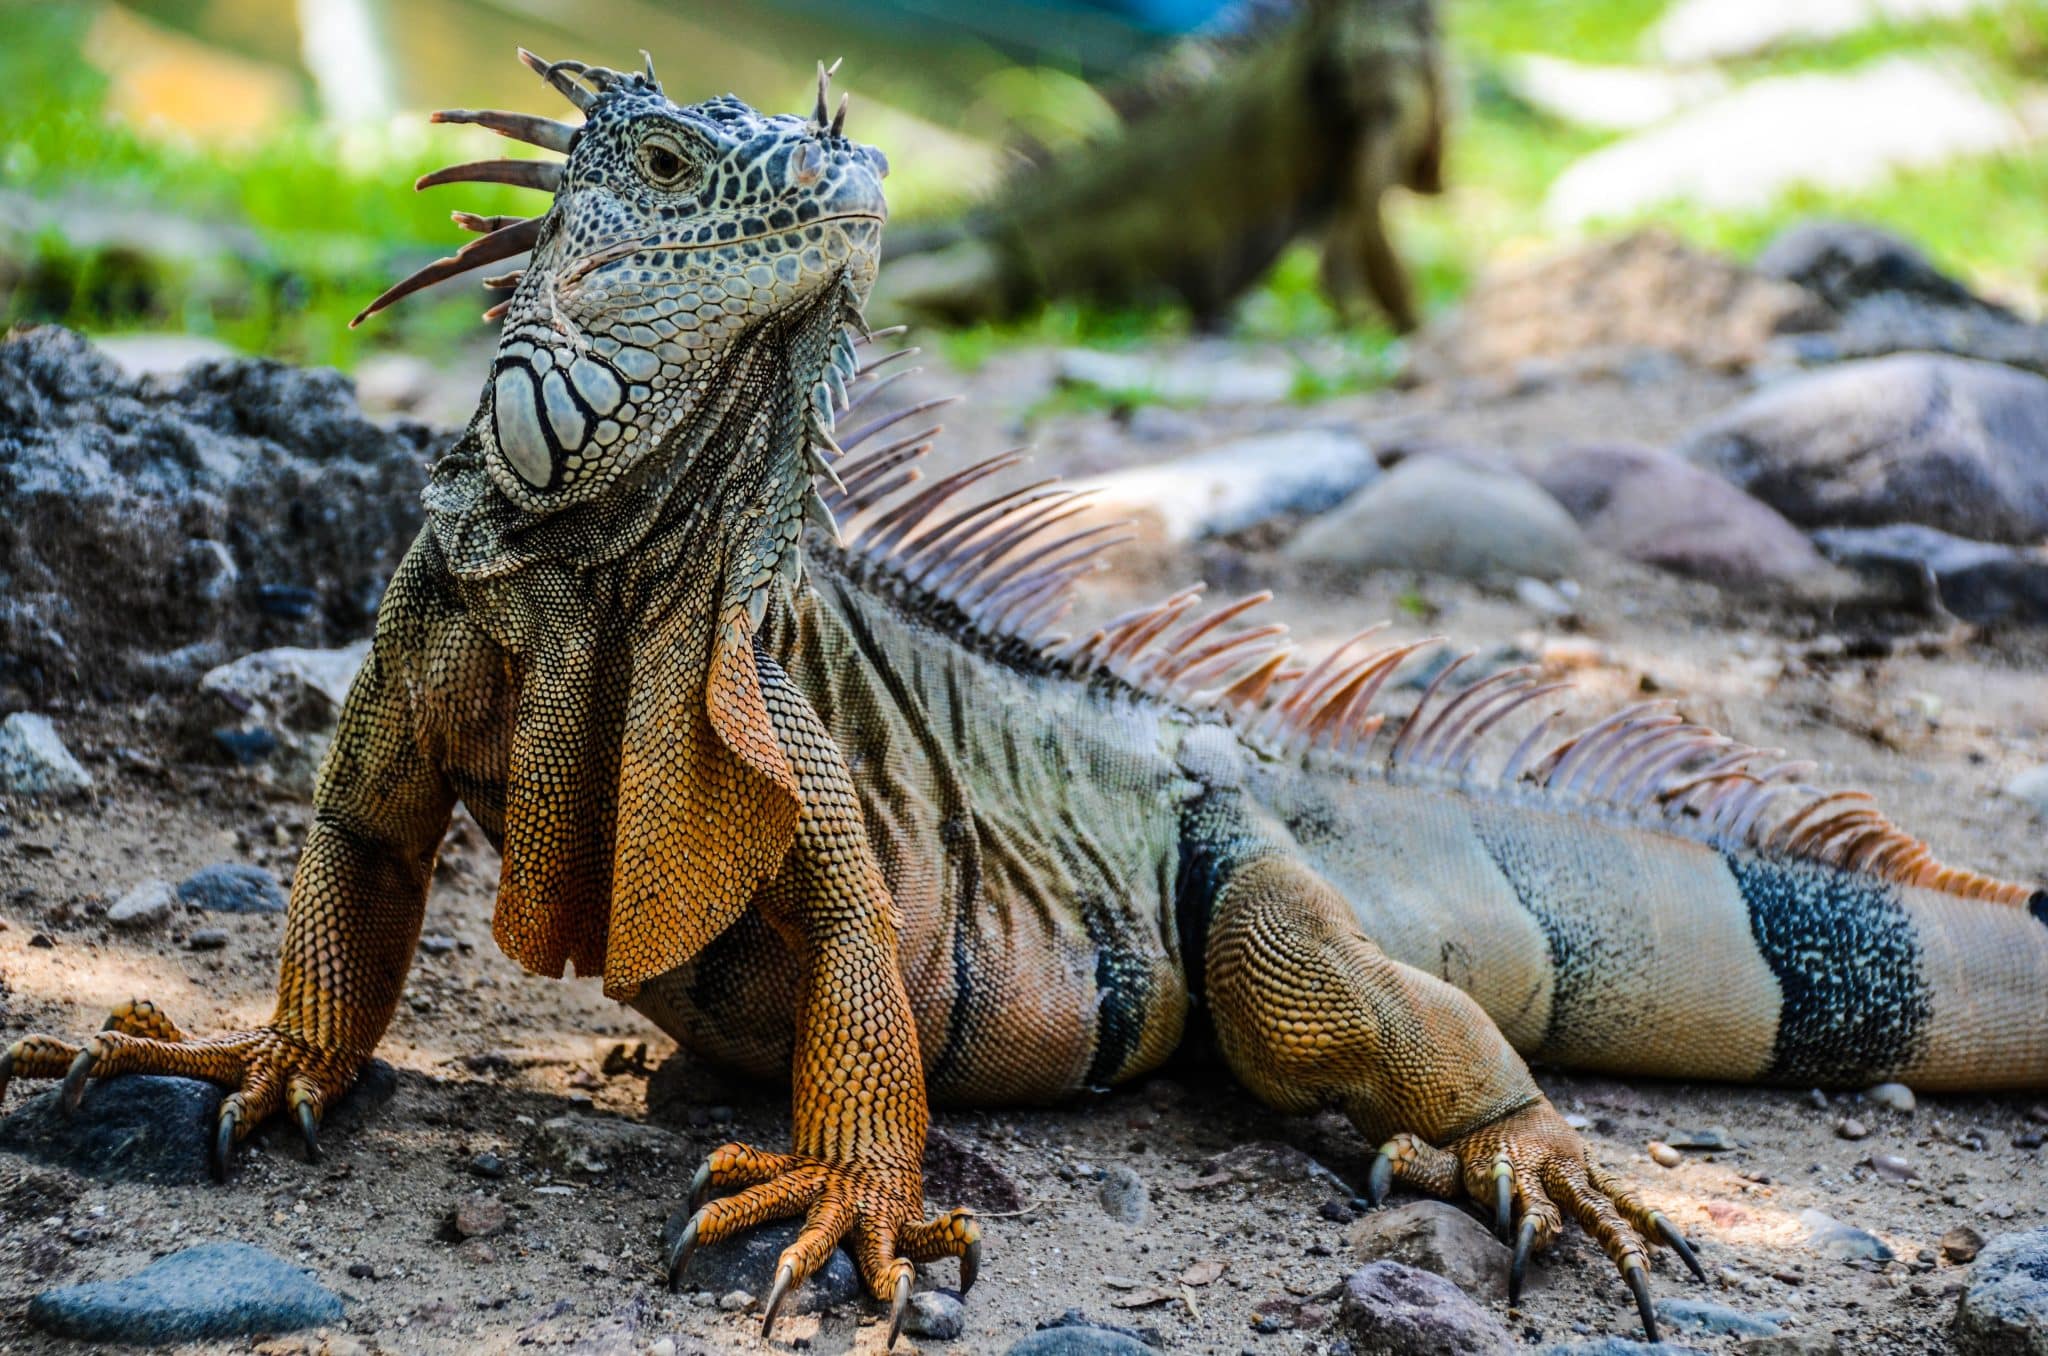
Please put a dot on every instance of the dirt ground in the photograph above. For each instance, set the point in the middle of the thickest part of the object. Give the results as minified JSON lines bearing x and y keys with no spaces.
{"x":1929,"y":717}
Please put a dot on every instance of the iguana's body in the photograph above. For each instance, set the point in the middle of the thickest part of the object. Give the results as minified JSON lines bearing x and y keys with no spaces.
{"x":882,"y":831}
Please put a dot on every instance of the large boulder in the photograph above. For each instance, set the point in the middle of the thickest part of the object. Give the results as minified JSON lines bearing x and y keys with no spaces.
{"x":152,"y":527}
{"x":1443,"y":515}
{"x":1652,"y":507}
{"x":1912,"y":438}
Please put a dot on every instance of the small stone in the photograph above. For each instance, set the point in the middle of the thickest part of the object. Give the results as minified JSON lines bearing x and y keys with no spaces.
{"x":487,"y":1164}
{"x":1696,"y":1315}
{"x":144,"y":906}
{"x":1079,"y":1339}
{"x":735,"y":1301}
{"x":1893,"y":1168}
{"x":1664,"y":1155}
{"x":212,"y":1291}
{"x":476,"y":1252}
{"x":1851,"y":1128}
{"x":206,"y":939}
{"x":34,"y":761}
{"x":591,"y":1144}
{"x":936,"y":1314}
{"x":1402,"y":1311}
{"x":1437,"y":1237}
{"x":478,"y":1217}
{"x":1892,"y":1097}
{"x":1713,"y":1138}
{"x":232,"y":887}
{"x":1961,"y":1244}
{"x":437,"y":944}
{"x":2004,"y":1308}
{"x":1124,"y":1195}
{"x":363,"y":1271}
{"x":1842,"y":1242}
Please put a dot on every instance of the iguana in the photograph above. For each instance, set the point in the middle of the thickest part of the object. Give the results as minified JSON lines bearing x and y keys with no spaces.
{"x":850,"y":810}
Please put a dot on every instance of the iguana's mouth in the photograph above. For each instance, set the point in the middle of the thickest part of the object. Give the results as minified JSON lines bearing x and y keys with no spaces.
{"x":626,"y":249}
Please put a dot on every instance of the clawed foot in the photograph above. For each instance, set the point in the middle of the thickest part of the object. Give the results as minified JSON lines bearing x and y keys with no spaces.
{"x":877,"y":1208}
{"x":267,"y":1068}
{"x":1531,"y":1162}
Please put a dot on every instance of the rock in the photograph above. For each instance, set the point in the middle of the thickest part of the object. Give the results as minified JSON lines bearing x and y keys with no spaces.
{"x":160,"y":355}
{"x":1846,"y":263}
{"x":747,"y":1262}
{"x":477,"y":1217}
{"x":143,"y":906}
{"x":736,"y":1301}
{"x":1851,"y":1128}
{"x":1713,"y":1138}
{"x":232,"y":887}
{"x":1961,"y":1244}
{"x":956,"y":1171}
{"x":33,"y":759}
{"x":1843,"y":1242}
{"x":487,"y":1165}
{"x":1696,"y":1315}
{"x":1664,"y":1155}
{"x":1657,"y":509}
{"x":591,"y":1144}
{"x":1438,"y":1237}
{"x":1076,"y":1339}
{"x":1914,"y":438}
{"x":1715,"y":30}
{"x":1124,"y":1195}
{"x":1742,"y":150}
{"x":2004,"y":1308}
{"x":1195,"y":375}
{"x":206,"y":939}
{"x":2031,"y":788}
{"x":1612,"y":98}
{"x":1262,"y":1160}
{"x":1401,"y":1311}
{"x":1893,"y":1168}
{"x":1238,"y":485}
{"x":937,"y":1314}
{"x":1929,"y":570}
{"x":1442,"y":516}
{"x":112,"y":479}
{"x":142,"y":1127}
{"x":285,"y":699}
{"x":214,"y":1290}
{"x":1891,"y":1096}
{"x":1790,"y":1344}
{"x":1617,"y":1346}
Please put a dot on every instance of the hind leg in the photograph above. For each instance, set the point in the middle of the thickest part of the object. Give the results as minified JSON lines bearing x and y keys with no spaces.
{"x":1311,"y":1014}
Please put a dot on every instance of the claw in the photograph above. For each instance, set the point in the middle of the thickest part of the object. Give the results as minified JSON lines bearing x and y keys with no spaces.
{"x":224,"y":1142}
{"x":1676,"y":1241}
{"x":698,"y":1185}
{"x":1379,"y":1179}
{"x":1519,"y":1268}
{"x":1503,"y":1197}
{"x":898,"y":1307}
{"x":970,"y":1265}
{"x":73,"y":1088}
{"x":780,"y":1292}
{"x":309,"y":1129}
{"x":1632,"y":1272}
{"x":679,"y":1256}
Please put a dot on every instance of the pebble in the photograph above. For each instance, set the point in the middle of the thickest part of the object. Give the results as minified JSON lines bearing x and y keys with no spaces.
{"x":34,"y":761}
{"x":438,"y":944}
{"x":487,"y":1164}
{"x":1696,"y":1315}
{"x":144,"y":906}
{"x":206,"y":939}
{"x":1714,"y":1137}
{"x":1893,"y":1168}
{"x":212,"y":1291}
{"x":232,"y":887}
{"x":1124,"y":1195}
{"x":1851,"y":1128}
{"x":478,"y":1217}
{"x":2004,"y":1308}
{"x":1892,"y":1097}
{"x":1842,"y":1242}
{"x":591,"y":1144}
{"x":1961,"y":1244}
{"x":1079,"y":1339}
{"x":748,"y":1263}
{"x":1402,"y":1311}
{"x":937,"y":1314}
{"x":735,"y":1301}
{"x":1664,"y":1154}
{"x":1437,"y":1237}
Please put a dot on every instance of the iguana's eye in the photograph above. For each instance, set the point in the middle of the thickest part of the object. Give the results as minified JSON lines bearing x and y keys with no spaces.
{"x":665,"y":163}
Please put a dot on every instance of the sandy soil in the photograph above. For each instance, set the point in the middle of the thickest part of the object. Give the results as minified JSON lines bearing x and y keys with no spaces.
{"x":1931,"y":719}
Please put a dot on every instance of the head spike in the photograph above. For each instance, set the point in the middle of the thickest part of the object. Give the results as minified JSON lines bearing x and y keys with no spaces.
{"x":647,"y":64}
{"x":545,"y":133}
{"x":489,"y":249}
{"x":555,"y":73}
{"x":544,"y":175}
{"x":839,"y":118}
{"x":823,"y":109}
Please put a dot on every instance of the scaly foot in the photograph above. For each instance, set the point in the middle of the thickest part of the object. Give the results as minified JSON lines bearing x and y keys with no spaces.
{"x":269,"y":1069}
{"x":1533,"y":1162}
{"x":877,"y":1207}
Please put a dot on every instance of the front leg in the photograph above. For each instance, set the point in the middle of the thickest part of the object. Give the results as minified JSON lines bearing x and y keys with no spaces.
{"x":858,"y":1103}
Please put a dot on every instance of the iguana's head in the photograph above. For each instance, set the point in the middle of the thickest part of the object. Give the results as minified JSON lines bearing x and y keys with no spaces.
{"x":679,"y":235}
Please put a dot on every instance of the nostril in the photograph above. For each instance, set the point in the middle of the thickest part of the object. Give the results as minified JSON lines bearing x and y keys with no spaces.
{"x":807,"y":164}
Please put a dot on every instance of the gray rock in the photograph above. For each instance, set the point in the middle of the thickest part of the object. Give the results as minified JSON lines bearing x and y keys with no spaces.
{"x":1079,"y":1339}
{"x":1238,"y":485}
{"x":215,"y":1290}
{"x":1923,"y":568}
{"x":2004,"y":1308}
{"x":34,"y":761}
{"x":592,"y":1144}
{"x":1438,"y":1237}
{"x":937,"y":1314}
{"x":1617,"y":1346}
{"x":1198,"y":374}
{"x":137,"y":1128}
{"x":1444,"y":516}
{"x":1891,"y":1096}
{"x":232,"y":887}
{"x":143,"y":906}
{"x":1660,"y":510}
{"x":280,"y":706}
{"x":1913,"y":438}
{"x":1401,"y":1311}
{"x":748,"y":1263}
{"x":1843,"y":1242}
{"x":2031,"y":788}
{"x":1847,"y":262}
{"x":1790,"y":1344}
{"x":1124,"y":1195}
{"x":1697,"y":1315}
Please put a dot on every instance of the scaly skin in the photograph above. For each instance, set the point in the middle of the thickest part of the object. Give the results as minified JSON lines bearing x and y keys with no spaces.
{"x":882,"y":832}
